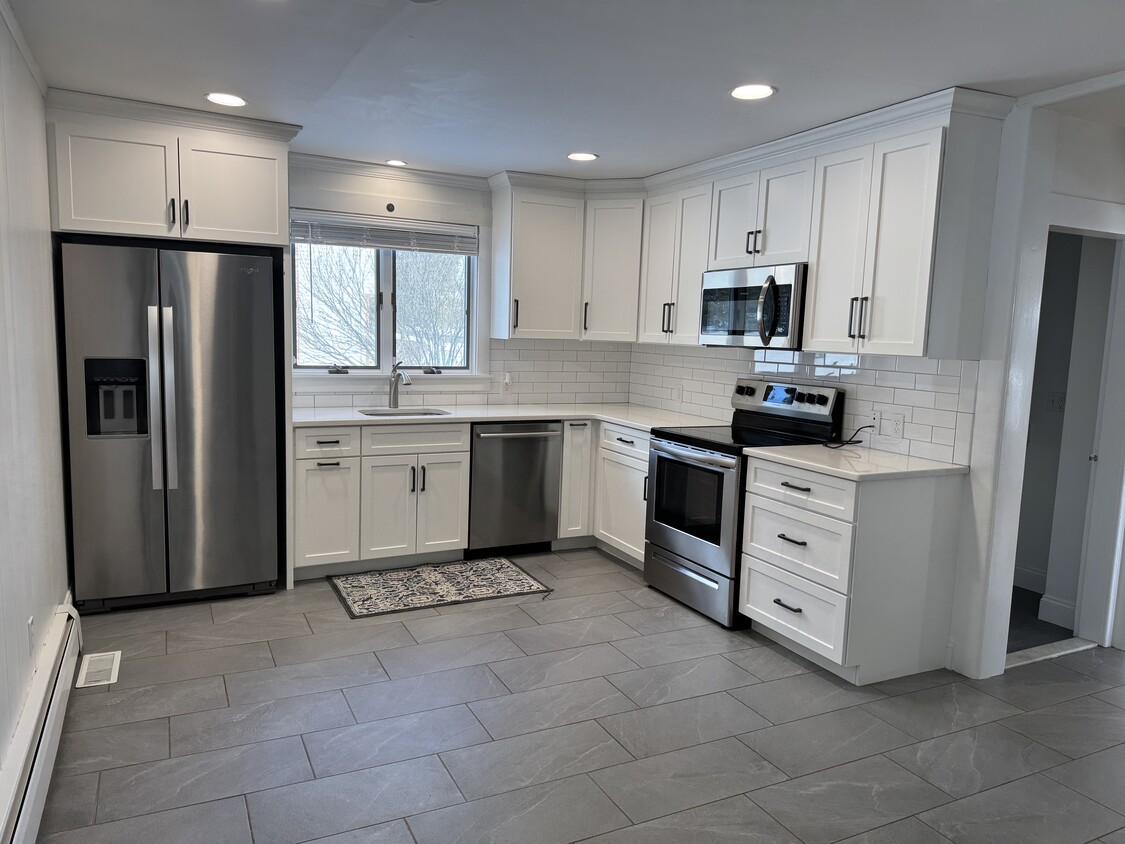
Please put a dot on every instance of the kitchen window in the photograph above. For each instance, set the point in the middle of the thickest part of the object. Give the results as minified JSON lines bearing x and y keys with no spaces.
{"x":369,"y":291}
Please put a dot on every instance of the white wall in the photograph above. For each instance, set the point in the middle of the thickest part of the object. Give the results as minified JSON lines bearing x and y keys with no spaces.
{"x":32,"y":547}
{"x":1045,"y":426}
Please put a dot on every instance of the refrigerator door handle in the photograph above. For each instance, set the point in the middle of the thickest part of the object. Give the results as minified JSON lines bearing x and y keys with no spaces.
{"x":170,"y":397}
{"x":156,"y":416}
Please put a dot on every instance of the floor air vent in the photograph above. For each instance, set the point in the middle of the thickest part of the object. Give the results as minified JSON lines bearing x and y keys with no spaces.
{"x":98,"y":669}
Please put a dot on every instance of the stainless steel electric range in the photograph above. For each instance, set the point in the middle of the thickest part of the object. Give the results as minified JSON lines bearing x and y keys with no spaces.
{"x":693,"y":534}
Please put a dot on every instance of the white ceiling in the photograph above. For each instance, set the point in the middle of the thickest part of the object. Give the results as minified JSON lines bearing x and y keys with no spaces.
{"x":479,"y":86}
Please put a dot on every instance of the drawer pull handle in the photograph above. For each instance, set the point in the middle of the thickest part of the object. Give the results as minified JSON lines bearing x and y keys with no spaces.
{"x":782,"y":603}
{"x":788,"y":485}
{"x":627,"y":442}
{"x":800,"y":542}
{"x":336,"y":463}
{"x":327,"y":442}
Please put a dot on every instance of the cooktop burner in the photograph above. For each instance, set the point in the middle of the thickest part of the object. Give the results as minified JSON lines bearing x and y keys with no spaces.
{"x":729,"y":439}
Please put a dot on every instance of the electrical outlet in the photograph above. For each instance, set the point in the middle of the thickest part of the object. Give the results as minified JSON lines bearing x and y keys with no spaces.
{"x":506,"y":387}
{"x":678,"y":393}
{"x":876,"y":421}
{"x":897,"y":423}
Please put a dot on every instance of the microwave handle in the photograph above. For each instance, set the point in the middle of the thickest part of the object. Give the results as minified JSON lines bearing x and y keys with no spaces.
{"x":768,"y":289}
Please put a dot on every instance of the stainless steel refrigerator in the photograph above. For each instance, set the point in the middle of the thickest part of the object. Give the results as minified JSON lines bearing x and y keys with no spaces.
{"x":172,"y":416}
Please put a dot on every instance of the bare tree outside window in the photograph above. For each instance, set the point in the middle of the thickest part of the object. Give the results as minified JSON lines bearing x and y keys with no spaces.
{"x":431,"y":309}
{"x":337,"y":305}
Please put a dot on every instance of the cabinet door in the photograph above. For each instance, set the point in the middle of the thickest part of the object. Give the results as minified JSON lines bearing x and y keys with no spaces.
{"x":234,"y":189}
{"x":900,"y":244}
{"x":841,"y":195}
{"x":327,"y":511}
{"x":734,"y":220}
{"x":611,"y":269}
{"x":443,"y":502}
{"x":658,"y":268}
{"x":693,"y":237}
{"x":546,"y":266}
{"x":784,"y":212}
{"x":621,"y":507}
{"x":389,"y":506}
{"x":117,"y":179}
{"x":577,"y":491}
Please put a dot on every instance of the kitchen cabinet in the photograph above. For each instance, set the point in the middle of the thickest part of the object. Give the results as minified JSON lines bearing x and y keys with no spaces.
{"x":537,"y":263}
{"x":762,"y":218}
{"x":327,"y":510}
{"x":577,"y":486}
{"x":443,"y":502}
{"x":872,"y":247}
{"x":130,"y":177}
{"x":673,"y":259}
{"x":622,"y":492}
{"x":823,"y":570}
{"x":611,"y":269}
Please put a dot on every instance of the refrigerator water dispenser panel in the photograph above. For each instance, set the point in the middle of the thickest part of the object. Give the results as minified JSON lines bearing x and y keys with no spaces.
{"x":116,"y":397}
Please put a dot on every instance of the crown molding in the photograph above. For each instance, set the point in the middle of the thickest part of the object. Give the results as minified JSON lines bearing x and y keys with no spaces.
{"x":1054,"y":96}
{"x":348,"y":167}
{"x":153,"y":112}
{"x":516,"y":179}
{"x":10,"y":21}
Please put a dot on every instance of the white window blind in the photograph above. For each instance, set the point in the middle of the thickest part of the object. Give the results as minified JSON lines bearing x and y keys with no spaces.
{"x":382,"y":233}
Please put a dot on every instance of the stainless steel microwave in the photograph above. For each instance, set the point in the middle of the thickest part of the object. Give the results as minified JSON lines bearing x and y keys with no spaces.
{"x":757,"y":307}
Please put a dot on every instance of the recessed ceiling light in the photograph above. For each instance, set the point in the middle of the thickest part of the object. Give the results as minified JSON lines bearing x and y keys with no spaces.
{"x":582,"y":156}
{"x":752,"y":92}
{"x":396,"y":162}
{"x":231,"y":100}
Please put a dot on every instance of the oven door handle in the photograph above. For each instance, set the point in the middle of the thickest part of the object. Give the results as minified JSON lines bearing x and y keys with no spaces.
{"x":719,"y":460}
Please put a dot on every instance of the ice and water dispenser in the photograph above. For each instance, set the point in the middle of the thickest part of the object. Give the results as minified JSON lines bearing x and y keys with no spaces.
{"x":116,"y":397}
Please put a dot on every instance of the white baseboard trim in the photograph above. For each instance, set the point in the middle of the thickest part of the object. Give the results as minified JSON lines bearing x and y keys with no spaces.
{"x":25,"y":774}
{"x":1054,"y":611}
{"x":1031,"y":579}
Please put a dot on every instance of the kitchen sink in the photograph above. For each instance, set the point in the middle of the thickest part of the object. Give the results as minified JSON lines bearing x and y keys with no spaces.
{"x":403,"y":411}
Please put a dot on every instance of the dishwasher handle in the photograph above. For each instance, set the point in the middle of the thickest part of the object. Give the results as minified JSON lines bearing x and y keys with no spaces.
{"x":508,"y":435}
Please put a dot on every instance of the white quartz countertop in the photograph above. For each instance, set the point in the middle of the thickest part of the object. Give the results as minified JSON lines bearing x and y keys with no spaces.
{"x":855,"y":463}
{"x":630,"y":415}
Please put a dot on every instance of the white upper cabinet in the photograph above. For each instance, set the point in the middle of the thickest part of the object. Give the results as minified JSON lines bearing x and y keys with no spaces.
{"x":611,"y":269}
{"x":673,"y":260}
{"x":131,"y":177}
{"x":762,"y":218}
{"x":537,"y":257}
{"x":873,"y":230}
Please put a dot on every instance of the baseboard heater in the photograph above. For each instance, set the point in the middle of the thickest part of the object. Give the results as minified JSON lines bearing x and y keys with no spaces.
{"x":25,"y":774}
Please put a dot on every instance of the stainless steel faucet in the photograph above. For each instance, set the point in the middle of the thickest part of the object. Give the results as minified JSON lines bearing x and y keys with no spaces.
{"x":397,"y":377}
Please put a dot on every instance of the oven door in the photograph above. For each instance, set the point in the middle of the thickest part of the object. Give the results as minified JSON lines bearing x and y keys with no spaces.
{"x":758,"y":307}
{"x":693,"y":504}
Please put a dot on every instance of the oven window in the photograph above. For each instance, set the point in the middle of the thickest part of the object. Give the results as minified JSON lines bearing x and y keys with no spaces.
{"x":689,"y":499}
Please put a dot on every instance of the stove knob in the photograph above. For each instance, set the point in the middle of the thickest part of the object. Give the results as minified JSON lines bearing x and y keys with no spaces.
{"x":740,"y":390}
{"x":822,"y":400}
{"x":800,"y":398}
{"x":749,"y":391}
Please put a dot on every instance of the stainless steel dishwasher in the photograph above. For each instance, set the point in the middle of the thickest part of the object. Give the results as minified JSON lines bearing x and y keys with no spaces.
{"x":516,"y":482}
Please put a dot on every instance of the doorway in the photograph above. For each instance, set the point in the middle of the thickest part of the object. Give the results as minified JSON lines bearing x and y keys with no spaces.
{"x":1066,"y":395}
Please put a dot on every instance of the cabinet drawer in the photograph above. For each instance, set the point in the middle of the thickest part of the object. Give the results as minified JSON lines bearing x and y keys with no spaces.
{"x":811,"y":491}
{"x":413,"y":439}
{"x":326,"y":442}
{"x":624,"y":440}
{"x":807,"y":544}
{"x":792,"y":606}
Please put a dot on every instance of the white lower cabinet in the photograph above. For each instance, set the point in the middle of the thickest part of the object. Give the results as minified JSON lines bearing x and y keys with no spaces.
{"x":327,"y":511}
{"x":577,"y":471}
{"x":622,"y":483}
{"x":443,"y":502}
{"x":868,"y":596}
{"x":388,"y":523}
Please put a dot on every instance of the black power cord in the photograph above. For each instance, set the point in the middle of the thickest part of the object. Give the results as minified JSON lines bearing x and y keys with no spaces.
{"x":850,"y":440}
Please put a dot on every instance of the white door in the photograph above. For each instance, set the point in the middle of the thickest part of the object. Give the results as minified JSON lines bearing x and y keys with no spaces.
{"x":621,"y":506}
{"x":577,"y":490}
{"x":389,"y":506}
{"x":692,"y":240}
{"x":611,"y":269}
{"x":234,"y":189}
{"x":327,"y":511}
{"x":841,"y":196}
{"x":546,"y":266}
{"x":117,"y":179}
{"x":443,"y":502}
{"x":784,"y":212}
{"x":734,"y":223}
{"x":658,"y":268}
{"x":900,"y":244}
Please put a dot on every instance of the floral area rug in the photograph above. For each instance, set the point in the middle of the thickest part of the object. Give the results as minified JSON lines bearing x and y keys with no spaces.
{"x":395,"y":590}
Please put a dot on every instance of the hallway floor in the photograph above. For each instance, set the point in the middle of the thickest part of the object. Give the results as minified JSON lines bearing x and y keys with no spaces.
{"x":605,"y":713}
{"x":1025,"y":629}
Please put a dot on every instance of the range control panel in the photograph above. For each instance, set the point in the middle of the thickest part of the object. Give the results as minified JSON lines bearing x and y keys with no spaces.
{"x":784,"y":399}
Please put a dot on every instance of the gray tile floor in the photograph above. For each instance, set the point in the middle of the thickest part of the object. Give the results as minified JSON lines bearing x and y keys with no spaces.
{"x":605,"y":713}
